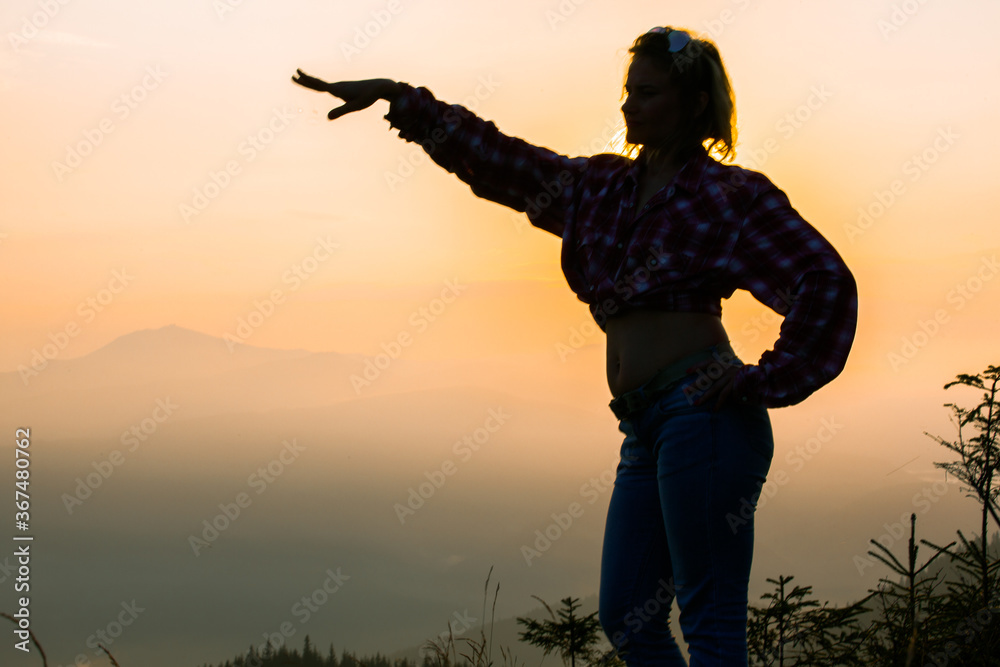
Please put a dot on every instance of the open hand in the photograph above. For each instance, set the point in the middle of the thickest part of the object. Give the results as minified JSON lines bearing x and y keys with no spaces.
{"x":357,"y":95}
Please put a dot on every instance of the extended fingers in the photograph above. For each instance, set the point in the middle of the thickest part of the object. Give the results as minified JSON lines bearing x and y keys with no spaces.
{"x":304,"y":79}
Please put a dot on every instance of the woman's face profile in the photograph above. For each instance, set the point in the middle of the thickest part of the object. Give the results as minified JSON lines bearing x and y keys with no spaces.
{"x":652,"y":109}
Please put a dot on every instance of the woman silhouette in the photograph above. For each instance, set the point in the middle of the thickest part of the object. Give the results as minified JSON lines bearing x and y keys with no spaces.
{"x":653,"y":243}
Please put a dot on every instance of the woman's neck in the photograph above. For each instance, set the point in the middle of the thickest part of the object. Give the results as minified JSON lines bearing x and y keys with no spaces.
{"x":660,"y":161}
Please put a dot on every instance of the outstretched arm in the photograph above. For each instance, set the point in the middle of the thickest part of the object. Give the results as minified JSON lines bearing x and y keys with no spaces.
{"x":503,"y":169}
{"x":357,"y":95}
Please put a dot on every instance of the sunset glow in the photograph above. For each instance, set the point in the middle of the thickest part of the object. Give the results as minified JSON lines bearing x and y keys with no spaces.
{"x":178,"y":220}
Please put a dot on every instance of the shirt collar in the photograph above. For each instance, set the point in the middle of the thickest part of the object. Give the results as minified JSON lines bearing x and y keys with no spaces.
{"x":690,"y":175}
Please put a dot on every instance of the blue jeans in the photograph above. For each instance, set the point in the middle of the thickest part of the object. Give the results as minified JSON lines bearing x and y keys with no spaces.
{"x":680,"y":524}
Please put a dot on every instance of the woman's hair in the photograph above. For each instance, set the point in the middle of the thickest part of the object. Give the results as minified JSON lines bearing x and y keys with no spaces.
{"x":695,"y":68}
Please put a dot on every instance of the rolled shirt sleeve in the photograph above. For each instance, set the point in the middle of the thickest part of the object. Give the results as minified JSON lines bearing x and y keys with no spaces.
{"x":790,"y":267}
{"x":501,"y":168}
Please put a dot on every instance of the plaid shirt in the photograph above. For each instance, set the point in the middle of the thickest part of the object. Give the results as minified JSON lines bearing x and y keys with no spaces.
{"x":716,"y":228}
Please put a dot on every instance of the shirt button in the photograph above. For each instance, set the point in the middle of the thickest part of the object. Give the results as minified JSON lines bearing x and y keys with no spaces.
{"x":619,"y":245}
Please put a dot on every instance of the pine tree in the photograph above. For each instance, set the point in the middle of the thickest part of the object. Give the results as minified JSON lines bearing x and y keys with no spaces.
{"x":348,"y":660}
{"x":571,"y":635}
{"x":310,"y":656}
{"x":910,"y":624}
{"x":978,"y":468}
{"x":795,"y":630}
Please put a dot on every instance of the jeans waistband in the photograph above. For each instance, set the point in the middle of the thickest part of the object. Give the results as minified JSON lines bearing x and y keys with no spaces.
{"x":669,"y":377}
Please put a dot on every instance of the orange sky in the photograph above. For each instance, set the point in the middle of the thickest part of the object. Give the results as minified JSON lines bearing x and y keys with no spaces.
{"x":837,"y":108}
{"x":160,"y":168}
{"x":167,"y":145}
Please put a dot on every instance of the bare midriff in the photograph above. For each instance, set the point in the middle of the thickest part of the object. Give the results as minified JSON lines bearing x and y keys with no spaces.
{"x":643,"y":341}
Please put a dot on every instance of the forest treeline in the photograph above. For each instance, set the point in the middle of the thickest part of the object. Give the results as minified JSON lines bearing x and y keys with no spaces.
{"x":938,"y":605}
